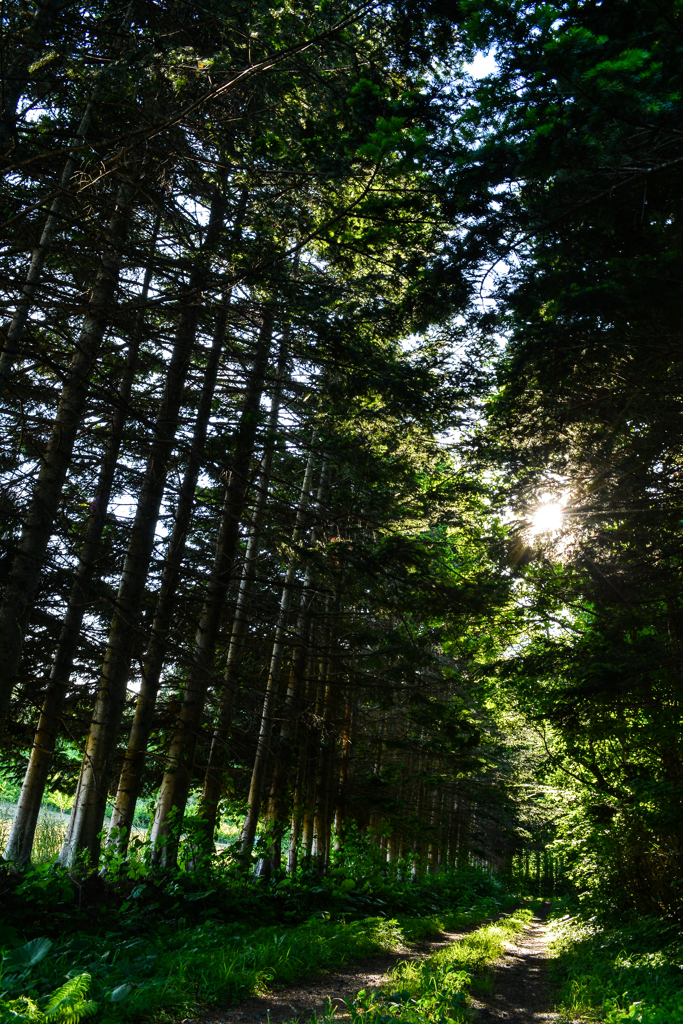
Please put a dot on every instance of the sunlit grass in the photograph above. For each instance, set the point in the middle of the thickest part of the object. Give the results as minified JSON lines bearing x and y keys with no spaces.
{"x":435,"y":990}
{"x":50,"y":833}
{"x":632,"y":973}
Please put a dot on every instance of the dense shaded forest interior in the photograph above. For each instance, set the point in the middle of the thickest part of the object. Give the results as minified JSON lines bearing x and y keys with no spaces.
{"x":341,"y":503}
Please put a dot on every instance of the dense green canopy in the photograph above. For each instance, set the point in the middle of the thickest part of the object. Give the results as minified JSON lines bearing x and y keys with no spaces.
{"x":303,"y":322}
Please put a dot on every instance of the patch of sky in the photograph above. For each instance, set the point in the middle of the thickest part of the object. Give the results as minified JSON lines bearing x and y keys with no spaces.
{"x":484,"y":64}
{"x":196,"y":210}
{"x":123,"y":506}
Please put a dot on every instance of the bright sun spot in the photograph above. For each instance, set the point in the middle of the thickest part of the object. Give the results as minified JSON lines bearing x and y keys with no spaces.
{"x":548,"y":517}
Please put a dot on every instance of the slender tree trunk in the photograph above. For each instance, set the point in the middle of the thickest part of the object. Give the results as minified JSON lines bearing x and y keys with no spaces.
{"x":213,"y":777}
{"x":130,"y":779}
{"x":321,"y":823}
{"x":31,"y":551}
{"x":417,"y":845}
{"x":443,"y":835}
{"x":11,"y":95}
{"x":256,"y":787}
{"x":310,"y":684}
{"x":344,"y":772}
{"x":178,"y":777}
{"x":28,"y":808}
{"x":89,"y":807}
{"x":433,"y":849}
{"x":463,"y":833}
{"x":312,"y":754}
{"x":277,"y":800}
{"x":297,"y":812}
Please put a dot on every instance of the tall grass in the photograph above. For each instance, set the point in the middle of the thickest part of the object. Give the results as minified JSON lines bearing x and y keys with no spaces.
{"x":50,"y":832}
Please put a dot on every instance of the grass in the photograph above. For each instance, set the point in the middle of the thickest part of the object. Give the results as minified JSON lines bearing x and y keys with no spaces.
{"x":179,"y":970}
{"x":434,"y":990}
{"x":630,"y":973}
{"x":50,"y":831}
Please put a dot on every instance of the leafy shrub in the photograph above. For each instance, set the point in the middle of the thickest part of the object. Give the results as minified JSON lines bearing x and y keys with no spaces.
{"x":67,"y":1005}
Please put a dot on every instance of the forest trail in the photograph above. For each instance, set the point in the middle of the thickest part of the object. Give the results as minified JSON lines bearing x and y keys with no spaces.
{"x":302,"y":1000}
{"x":520,"y":991}
{"x":519,"y":994}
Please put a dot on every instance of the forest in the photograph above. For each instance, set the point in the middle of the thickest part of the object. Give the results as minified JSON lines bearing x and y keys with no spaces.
{"x":341,"y":499}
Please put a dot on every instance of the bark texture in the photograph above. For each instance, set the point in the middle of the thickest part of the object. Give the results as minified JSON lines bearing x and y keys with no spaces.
{"x":258,"y":771}
{"x":134,"y":762}
{"x":37,"y":530}
{"x":89,"y":808}
{"x":277,"y":811}
{"x":213,"y":778}
{"x":28,"y":808}
{"x":177,"y":778}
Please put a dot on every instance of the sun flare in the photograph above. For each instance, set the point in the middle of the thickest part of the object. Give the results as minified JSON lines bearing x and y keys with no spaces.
{"x":547,"y":518}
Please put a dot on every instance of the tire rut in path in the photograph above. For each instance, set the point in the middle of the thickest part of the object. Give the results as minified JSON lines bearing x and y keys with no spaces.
{"x":521,"y":992}
{"x":301,"y":1000}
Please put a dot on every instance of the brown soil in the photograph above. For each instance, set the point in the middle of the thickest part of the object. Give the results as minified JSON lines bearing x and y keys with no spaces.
{"x":520,"y":991}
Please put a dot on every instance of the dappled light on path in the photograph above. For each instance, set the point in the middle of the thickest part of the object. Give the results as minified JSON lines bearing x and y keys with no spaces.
{"x":309,"y":999}
{"x":519,"y":991}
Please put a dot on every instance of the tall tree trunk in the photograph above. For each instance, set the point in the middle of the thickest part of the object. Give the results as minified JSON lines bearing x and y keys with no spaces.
{"x":277,"y":809}
{"x":277,"y":800}
{"x":130,"y":779}
{"x":321,"y":817}
{"x":256,"y":786}
{"x":28,"y":807}
{"x":31,"y":550}
{"x":310,"y":684}
{"x":54,"y":219}
{"x":344,"y":773}
{"x":312,"y":754}
{"x":178,"y":777}
{"x":433,"y":848}
{"x":321,"y":823}
{"x":213,"y":777}
{"x":87,"y":815}
{"x":297,"y":812}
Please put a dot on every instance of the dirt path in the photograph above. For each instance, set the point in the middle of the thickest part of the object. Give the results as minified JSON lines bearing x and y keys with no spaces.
{"x":308,"y":997}
{"x":520,"y":992}
{"x":519,"y":995}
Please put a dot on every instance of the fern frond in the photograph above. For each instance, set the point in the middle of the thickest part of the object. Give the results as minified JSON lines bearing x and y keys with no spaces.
{"x":75,"y":1014}
{"x":68,"y":1004}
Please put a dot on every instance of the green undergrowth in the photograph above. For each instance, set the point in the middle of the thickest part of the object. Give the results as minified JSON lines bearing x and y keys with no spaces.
{"x":618,"y":974}
{"x":46,"y":900}
{"x":181,"y":967}
{"x":435,"y":990}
